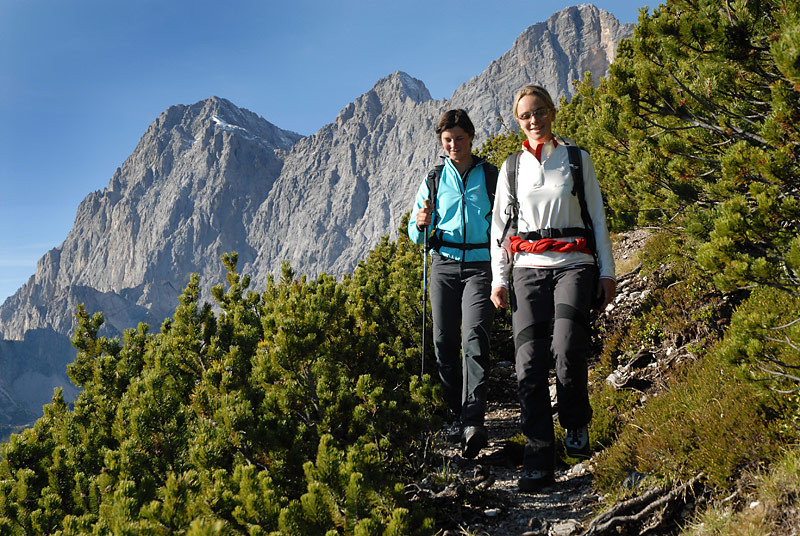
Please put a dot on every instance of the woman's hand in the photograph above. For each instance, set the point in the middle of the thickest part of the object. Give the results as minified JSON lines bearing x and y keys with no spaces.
{"x":606,"y":289}
{"x":424,"y":216}
{"x":499,"y":297}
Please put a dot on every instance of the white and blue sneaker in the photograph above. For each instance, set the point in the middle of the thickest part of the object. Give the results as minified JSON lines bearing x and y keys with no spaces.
{"x":577,"y":442}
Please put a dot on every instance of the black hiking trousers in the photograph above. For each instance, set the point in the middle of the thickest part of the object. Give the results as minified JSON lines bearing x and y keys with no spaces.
{"x":550,"y":315}
{"x":462,"y":318}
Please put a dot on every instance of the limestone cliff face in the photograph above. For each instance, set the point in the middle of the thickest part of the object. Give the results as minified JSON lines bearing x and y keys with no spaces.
{"x":212,"y":178}
{"x":552,"y":54}
{"x":347,"y":185}
{"x":186,"y":194}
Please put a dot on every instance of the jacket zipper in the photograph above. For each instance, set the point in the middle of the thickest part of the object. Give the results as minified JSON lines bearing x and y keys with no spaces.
{"x":464,"y":210}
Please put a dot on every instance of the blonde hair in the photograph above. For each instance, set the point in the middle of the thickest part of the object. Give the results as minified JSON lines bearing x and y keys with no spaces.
{"x":538,"y":91}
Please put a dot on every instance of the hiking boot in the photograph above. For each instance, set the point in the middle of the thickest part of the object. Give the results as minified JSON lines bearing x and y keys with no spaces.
{"x":577,"y":442}
{"x":453,"y":431}
{"x":474,"y":439}
{"x":535,"y":480}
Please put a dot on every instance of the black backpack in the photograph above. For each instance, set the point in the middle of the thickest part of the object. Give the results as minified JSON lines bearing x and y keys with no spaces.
{"x":490,"y":175}
{"x":512,"y":210}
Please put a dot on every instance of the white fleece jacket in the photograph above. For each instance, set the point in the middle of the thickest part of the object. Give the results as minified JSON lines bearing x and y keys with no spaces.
{"x":544,"y":191}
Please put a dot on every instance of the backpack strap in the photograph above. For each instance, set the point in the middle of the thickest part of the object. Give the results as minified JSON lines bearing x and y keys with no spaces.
{"x":576,"y":164}
{"x":512,"y":209}
{"x":555,"y":233}
{"x":436,"y":242}
{"x":490,"y":176}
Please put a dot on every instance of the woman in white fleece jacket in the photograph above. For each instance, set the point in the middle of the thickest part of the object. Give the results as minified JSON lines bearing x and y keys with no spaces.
{"x":555,"y":282}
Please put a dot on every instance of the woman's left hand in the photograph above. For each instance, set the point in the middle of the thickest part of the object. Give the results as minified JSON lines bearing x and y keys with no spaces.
{"x":607,"y":289}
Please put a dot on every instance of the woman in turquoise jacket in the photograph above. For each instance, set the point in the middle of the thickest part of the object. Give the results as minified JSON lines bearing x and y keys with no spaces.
{"x":457,"y":215}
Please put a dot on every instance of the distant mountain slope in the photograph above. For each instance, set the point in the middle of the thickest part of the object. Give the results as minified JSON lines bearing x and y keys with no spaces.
{"x":187,"y":194}
{"x":211,"y":178}
{"x":349,"y":184}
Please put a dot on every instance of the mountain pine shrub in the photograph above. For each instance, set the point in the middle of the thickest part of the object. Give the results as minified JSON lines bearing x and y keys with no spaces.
{"x":694,"y":132}
{"x":294,"y":411}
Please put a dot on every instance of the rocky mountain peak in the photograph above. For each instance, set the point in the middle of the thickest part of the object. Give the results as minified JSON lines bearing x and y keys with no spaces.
{"x":553,"y":54}
{"x":403,"y":85}
{"x":586,"y":34}
{"x":182,"y":130}
{"x":389,"y":95}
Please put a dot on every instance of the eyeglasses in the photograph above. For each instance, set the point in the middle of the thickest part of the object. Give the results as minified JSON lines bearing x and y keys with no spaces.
{"x":539,"y":113}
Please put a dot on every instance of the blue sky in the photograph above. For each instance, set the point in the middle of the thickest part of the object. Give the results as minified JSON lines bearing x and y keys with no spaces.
{"x":81,"y":80}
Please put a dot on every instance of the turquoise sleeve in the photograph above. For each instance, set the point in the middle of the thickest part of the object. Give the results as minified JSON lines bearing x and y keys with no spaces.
{"x":417,"y":236}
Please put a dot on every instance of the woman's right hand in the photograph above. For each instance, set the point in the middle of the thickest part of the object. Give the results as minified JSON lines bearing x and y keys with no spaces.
{"x":424,"y":216}
{"x":499,"y":297}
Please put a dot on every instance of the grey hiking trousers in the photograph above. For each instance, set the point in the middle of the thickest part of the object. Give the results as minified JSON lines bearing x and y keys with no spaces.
{"x":462,"y":319}
{"x":550,"y":314}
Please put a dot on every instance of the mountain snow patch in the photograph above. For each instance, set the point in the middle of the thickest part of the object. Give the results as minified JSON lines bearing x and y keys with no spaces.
{"x":224,"y":125}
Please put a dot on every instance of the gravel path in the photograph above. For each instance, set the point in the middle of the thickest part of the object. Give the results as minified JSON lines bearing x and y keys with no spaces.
{"x":480,"y":497}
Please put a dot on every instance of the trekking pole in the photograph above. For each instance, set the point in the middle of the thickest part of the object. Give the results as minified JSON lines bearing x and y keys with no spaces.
{"x":426,"y":203}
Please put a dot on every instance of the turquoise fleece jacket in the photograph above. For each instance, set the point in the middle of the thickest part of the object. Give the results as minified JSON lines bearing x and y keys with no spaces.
{"x":462,"y":215}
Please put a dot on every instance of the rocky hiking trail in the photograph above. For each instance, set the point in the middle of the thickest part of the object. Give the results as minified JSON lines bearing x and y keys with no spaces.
{"x":482,"y":497}
{"x":479,"y":497}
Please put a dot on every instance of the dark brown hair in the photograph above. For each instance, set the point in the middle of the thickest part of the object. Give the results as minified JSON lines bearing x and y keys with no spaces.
{"x":455,"y":118}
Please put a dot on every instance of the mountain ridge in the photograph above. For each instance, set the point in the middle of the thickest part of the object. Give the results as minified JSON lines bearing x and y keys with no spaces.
{"x":210,"y":177}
